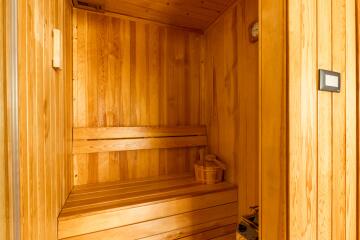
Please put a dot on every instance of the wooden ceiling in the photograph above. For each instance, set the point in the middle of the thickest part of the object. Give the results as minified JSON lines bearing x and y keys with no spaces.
{"x":194,"y":14}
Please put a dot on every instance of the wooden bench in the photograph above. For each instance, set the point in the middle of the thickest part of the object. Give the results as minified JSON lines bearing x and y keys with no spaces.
{"x":171,"y":207}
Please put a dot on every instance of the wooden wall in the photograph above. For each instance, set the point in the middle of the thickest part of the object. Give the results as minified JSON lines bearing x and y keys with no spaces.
{"x":231,"y":98}
{"x":133,"y":73}
{"x":3,"y":146}
{"x":322,"y":125}
{"x":45,"y":116}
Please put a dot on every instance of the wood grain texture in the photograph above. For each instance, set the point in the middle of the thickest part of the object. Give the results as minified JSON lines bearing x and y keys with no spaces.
{"x":357,"y":9}
{"x":218,"y":233}
{"x":322,"y":125}
{"x":136,"y":132}
{"x":191,"y":232}
{"x":101,"y":209}
{"x":351,"y":124}
{"x":4,"y":193}
{"x":183,"y":13}
{"x":45,"y":116}
{"x":120,"y":145}
{"x":324,"y":102}
{"x":303,"y":121}
{"x":161,"y":225}
{"x":129,"y":73}
{"x":324,"y":52}
{"x":226,"y":237}
{"x":99,"y":140}
{"x":230,"y":108}
{"x":339,"y":121}
{"x":273,"y":119}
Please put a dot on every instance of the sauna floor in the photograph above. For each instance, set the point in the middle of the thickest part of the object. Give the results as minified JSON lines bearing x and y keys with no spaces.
{"x":91,"y":209}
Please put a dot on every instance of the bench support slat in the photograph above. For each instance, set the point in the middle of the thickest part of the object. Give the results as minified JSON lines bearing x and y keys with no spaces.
{"x":136,"y":132}
{"x":97,"y":146}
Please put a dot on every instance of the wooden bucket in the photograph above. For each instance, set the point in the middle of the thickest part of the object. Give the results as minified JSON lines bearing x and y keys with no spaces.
{"x":210,"y":170}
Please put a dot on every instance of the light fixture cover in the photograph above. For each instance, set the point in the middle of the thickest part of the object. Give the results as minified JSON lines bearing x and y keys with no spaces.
{"x":56,"y":48}
{"x":329,"y":81}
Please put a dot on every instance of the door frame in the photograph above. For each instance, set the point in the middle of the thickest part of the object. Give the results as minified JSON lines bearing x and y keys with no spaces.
{"x":357,"y":9}
{"x":273,"y":119}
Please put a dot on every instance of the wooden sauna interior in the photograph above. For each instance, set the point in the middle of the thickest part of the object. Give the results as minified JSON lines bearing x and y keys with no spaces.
{"x":104,"y":146}
{"x":144,"y":85}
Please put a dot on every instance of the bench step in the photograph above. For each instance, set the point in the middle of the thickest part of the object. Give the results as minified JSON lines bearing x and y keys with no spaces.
{"x":167,"y":208}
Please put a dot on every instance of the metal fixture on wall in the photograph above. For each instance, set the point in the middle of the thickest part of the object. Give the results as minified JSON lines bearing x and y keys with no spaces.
{"x":88,"y":6}
{"x":329,"y":81}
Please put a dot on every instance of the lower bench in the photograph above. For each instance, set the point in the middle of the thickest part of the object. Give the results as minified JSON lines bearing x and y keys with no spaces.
{"x":167,"y":208}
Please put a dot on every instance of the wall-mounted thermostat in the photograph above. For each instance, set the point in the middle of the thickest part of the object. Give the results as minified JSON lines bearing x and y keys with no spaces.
{"x":329,"y":81}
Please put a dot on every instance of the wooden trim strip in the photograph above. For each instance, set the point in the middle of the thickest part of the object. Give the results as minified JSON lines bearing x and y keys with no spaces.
{"x":136,"y":132}
{"x":97,"y":146}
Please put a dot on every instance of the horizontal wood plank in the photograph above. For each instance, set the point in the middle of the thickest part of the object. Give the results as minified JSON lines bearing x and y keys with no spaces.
{"x":157,"y":226}
{"x":136,"y":132}
{"x":97,"y":146}
{"x":193,"y":231}
{"x":124,"y":204}
{"x":128,"y":192}
{"x":87,"y":188}
{"x":231,"y":236}
{"x":214,"y":233}
{"x":119,"y":201}
{"x":92,"y":223}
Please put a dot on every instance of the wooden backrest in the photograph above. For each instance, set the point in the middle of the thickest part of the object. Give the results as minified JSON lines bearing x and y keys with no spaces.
{"x":114,"y":139}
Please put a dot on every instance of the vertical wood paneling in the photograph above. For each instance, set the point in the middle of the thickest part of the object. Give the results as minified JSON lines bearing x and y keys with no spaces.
{"x":130,"y":73}
{"x":339,"y":121}
{"x":4,"y":224}
{"x":303,"y":120}
{"x":231,"y":98}
{"x":357,"y":9}
{"x":273,"y":119}
{"x":351,"y":119}
{"x":324,"y":51}
{"x":322,"y":125}
{"x":247,"y":111}
{"x":45,"y":116}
